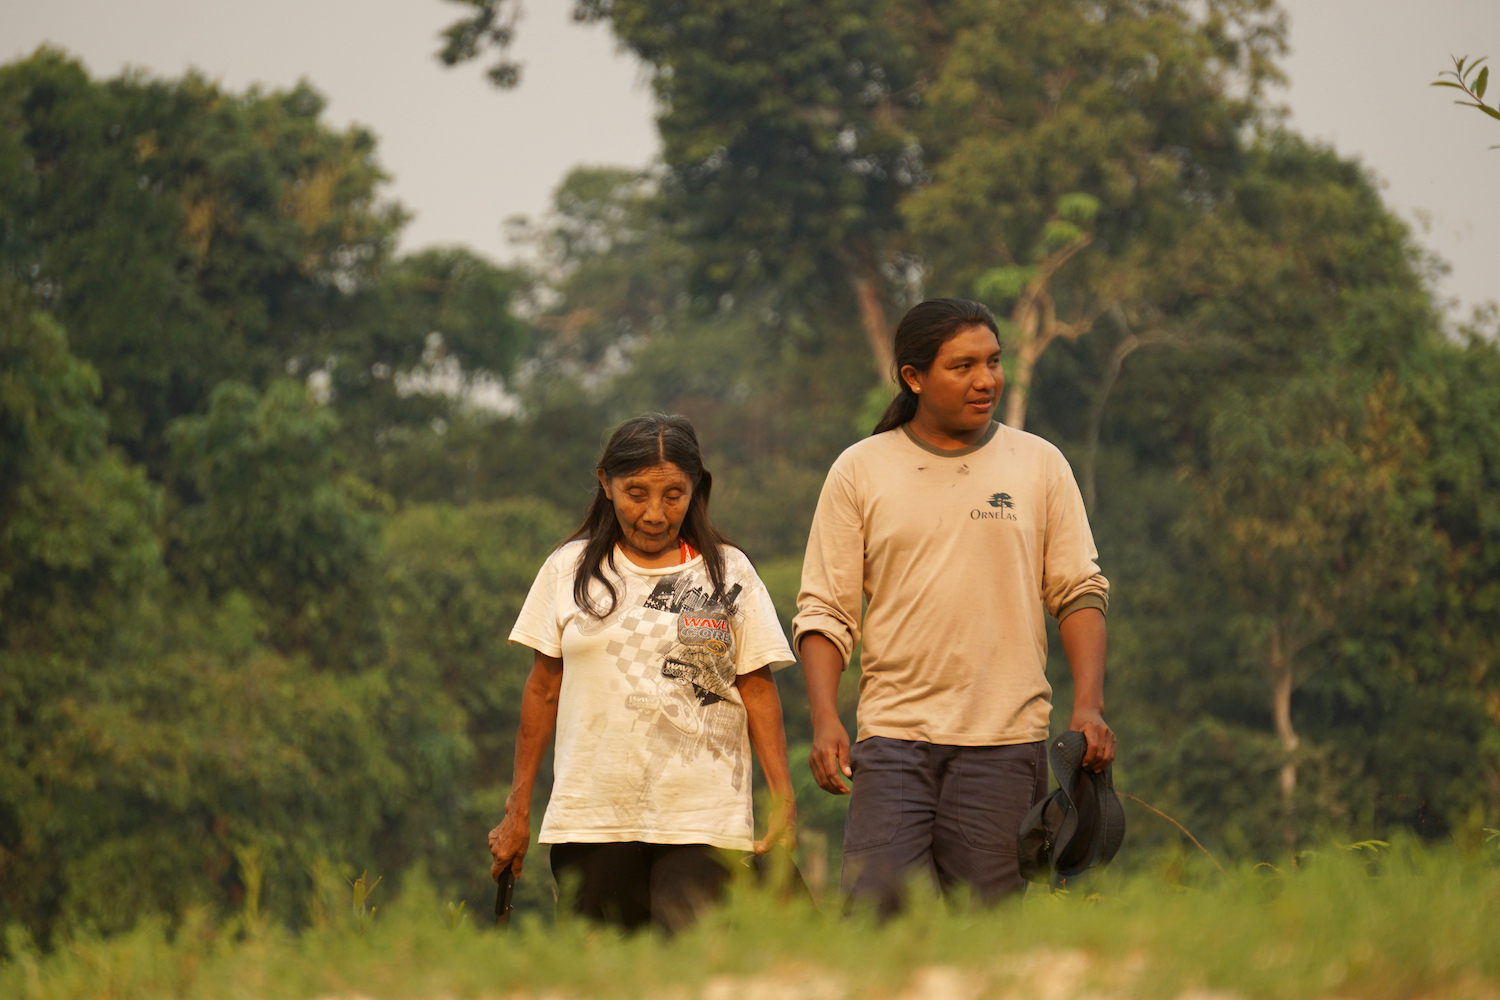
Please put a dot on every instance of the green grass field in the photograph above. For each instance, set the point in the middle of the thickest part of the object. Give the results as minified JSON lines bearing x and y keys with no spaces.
{"x":1388,"y":923}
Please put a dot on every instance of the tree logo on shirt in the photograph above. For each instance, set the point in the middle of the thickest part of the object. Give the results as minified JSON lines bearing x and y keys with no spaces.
{"x":1004,"y":509}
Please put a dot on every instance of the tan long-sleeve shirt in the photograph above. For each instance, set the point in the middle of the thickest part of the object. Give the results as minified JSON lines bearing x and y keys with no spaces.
{"x":957,"y":554}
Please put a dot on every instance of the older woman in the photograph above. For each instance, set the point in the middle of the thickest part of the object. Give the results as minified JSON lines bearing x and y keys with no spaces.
{"x":655,"y":641}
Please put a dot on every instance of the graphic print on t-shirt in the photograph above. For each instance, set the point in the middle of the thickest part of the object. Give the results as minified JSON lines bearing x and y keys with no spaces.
{"x":679,"y":663}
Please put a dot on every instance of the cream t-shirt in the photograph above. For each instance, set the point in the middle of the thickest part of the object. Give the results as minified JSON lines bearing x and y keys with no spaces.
{"x":652,"y":741}
{"x":958,"y":553}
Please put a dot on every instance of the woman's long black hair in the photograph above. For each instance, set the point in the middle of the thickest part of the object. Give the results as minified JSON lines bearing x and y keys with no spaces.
{"x":922,"y":332}
{"x":639,"y":443}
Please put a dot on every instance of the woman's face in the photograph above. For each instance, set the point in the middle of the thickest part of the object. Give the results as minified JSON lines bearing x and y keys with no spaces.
{"x":650,"y":505}
{"x":960,"y":390}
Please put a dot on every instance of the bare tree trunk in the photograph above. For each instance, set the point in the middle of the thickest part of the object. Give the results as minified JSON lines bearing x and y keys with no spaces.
{"x":1281,"y":714}
{"x":872,"y":316}
{"x":1027,"y":319}
{"x":1019,"y":388}
{"x":1035,"y":320}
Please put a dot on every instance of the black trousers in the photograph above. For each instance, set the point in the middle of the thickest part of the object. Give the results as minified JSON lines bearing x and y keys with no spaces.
{"x":630,"y":884}
{"x":949,"y":813}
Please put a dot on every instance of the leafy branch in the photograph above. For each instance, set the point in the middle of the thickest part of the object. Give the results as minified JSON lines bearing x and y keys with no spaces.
{"x":491,"y":26}
{"x":1461,"y":72}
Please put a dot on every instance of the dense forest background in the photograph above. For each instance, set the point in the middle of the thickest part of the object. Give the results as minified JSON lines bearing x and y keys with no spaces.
{"x":271,"y":493}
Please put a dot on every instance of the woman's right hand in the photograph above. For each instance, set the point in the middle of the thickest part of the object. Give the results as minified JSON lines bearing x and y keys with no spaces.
{"x":509,"y":842}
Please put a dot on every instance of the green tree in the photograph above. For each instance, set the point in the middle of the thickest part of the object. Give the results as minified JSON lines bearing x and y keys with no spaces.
{"x":75,"y":519}
{"x":612,"y":267}
{"x":780,"y":125}
{"x":430,"y":346}
{"x":456,"y":578}
{"x":1290,"y":479}
{"x":271,"y":517}
{"x":150,"y":735}
{"x":618,"y":331}
{"x":76,"y":549}
{"x":184,"y":235}
{"x":1309,"y":511}
{"x":454,"y":581}
{"x":1075,"y":150}
{"x":1328,"y":511}
{"x":175,"y":732}
{"x":192,"y":741}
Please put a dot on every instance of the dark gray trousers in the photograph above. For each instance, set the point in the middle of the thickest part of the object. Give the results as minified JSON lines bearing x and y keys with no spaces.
{"x":949,"y":813}
{"x":631,"y":884}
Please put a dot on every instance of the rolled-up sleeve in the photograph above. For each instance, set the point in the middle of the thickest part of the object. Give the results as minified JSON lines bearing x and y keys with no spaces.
{"x":832,"y":591}
{"x":1071,"y":579}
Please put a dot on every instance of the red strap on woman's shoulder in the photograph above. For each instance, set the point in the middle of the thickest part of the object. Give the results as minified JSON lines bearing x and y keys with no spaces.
{"x":686,"y":549}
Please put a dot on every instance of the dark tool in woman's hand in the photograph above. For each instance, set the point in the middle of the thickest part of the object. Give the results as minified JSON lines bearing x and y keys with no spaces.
{"x":503,"y":896}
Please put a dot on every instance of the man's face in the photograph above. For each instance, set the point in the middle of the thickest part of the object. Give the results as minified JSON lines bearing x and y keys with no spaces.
{"x":959,"y":392}
{"x":650,"y":506}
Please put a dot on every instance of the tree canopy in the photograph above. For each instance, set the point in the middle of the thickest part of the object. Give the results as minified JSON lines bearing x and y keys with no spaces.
{"x":1220,"y":323}
{"x":271,"y":491}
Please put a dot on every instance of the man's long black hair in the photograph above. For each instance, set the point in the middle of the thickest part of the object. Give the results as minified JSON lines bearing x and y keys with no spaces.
{"x":922,"y":332}
{"x":639,"y":443}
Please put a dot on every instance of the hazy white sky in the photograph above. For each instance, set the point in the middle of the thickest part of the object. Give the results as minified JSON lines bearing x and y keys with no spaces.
{"x":465,"y":157}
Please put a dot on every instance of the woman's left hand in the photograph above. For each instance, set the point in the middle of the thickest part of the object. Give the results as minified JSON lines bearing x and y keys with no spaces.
{"x":781,"y":826}
{"x":768,"y":738}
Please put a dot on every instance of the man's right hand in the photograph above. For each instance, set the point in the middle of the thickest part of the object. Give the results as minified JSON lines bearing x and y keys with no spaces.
{"x":508,"y":843}
{"x":830,"y":757}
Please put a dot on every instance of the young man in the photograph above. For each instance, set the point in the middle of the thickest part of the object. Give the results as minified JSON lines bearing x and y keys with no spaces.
{"x":958,"y":532}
